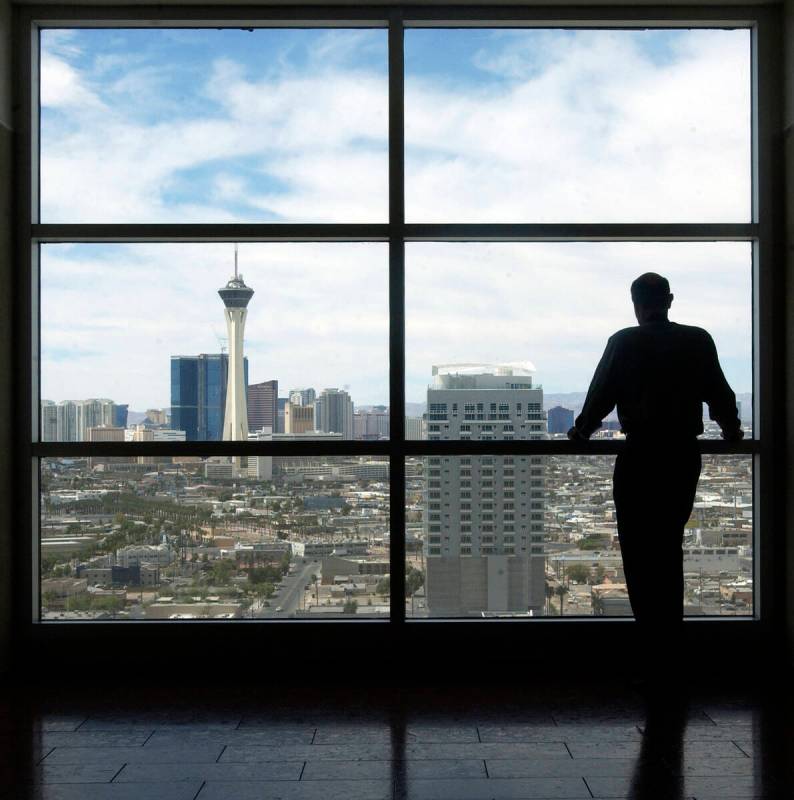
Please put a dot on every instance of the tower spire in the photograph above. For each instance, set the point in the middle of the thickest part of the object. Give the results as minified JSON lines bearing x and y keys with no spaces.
{"x":235,"y":296}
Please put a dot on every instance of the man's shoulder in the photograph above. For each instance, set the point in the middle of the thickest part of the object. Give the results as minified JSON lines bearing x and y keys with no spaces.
{"x":623,"y":334}
{"x":638,"y":332}
{"x":692,"y":332}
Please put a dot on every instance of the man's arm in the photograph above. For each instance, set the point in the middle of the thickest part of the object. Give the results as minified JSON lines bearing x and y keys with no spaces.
{"x":719,"y":395}
{"x":601,"y":396}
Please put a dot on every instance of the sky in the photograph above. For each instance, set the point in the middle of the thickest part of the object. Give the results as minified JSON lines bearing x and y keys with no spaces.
{"x":291,"y":126}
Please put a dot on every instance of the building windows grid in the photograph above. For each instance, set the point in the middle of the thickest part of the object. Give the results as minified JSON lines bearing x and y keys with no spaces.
{"x":396,"y":232}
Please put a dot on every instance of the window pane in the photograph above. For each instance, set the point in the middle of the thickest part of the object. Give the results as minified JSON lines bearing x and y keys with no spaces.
{"x":524,"y":325}
{"x":182,"y":538}
{"x":537,"y":536}
{"x":199,"y":125}
{"x":578,"y":125}
{"x":135,"y":337}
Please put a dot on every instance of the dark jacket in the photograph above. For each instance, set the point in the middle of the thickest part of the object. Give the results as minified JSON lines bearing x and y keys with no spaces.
{"x":659,"y":375}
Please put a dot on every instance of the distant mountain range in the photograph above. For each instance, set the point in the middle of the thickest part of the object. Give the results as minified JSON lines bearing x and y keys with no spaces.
{"x":575,"y":401}
{"x":572,"y":400}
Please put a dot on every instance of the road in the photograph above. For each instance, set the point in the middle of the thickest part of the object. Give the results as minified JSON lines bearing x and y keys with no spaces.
{"x":288,"y":598}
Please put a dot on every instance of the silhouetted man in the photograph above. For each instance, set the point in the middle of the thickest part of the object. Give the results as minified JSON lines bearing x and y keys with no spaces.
{"x":658,"y":374}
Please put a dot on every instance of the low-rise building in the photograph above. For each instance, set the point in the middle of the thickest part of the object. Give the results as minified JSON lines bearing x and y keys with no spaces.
{"x":135,"y":555}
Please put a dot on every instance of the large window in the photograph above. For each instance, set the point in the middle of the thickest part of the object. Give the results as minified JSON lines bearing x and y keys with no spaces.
{"x":315,"y":299}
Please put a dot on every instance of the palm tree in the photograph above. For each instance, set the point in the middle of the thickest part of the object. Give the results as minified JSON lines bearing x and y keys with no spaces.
{"x":561,"y":591}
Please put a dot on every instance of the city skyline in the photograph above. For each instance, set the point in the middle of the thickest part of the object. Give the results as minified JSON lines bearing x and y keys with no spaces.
{"x":447,"y":284}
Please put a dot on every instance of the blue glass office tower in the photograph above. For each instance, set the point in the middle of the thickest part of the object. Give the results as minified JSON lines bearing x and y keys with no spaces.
{"x":198,"y":395}
{"x":560,"y":419}
{"x":120,"y":413}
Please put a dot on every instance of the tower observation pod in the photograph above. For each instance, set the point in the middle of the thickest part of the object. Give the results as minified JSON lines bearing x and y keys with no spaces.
{"x":235,"y":296}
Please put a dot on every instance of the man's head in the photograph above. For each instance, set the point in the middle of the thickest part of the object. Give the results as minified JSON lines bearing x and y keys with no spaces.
{"x":651,"y":296}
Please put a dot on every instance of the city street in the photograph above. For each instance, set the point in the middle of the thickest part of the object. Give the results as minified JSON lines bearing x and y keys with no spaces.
{"x":288,"y":598}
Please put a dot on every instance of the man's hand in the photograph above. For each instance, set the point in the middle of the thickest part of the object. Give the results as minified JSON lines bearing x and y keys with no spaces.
{"x":575,"y":435}
{"x":733,"y":436}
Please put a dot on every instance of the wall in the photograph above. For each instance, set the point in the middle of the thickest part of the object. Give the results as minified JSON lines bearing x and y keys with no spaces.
{"x":6,"y":162}
{"x":788,"y":143}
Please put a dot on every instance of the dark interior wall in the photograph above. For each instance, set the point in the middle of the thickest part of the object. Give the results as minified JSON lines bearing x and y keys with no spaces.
{"x":788,"y":143}
{"x":6,"y":163}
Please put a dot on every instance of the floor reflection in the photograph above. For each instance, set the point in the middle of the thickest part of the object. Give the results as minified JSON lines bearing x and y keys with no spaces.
{"x":660,"y":764}
{"x":475,"y":743}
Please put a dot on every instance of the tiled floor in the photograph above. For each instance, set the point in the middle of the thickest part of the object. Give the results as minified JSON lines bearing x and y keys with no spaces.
{"x":397,"y":744}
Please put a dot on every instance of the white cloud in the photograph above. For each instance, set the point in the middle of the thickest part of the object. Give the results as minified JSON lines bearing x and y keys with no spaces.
{"x":602,"y":133}
{"x":62,"y":87}
{"x":556,"y":304}
{"x":592,"y":131}
{"x":340,"y":116}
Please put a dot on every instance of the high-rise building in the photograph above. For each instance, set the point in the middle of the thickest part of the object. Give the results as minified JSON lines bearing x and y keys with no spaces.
{"x":156,"y":416}
{"x":67,"y":422}
{"x":94,"y":413}
{"x":262,"y":405}
{"x":281,"y":405}
{"x":560,"y":419}
{"x":236,"y":296}
{"x":483,"y":520}
{"x":333,"y":413}
{"x":198,"y":395}
{"x":302,"y":397}
{"x":414,"y":427}
{"x":298,"y":419}
{"x":120,"y":414}
{"x":70,"y":421}
{"x":49,"y":421}
{"x":372,"y":424}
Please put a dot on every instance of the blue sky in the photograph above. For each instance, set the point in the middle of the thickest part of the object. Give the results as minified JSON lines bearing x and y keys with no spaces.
{"x":291,"y":125}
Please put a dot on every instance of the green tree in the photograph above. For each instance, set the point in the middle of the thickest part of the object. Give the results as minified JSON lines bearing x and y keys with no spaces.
{"x":350,"y":606}
{"x":592,"y":543}
{"x":598,"y":574}
{"x":578,"y":572}
{"x":264,"y":590}
{"x":110,"y":603}
{"x":383,"y":586}
{"x":223,"y":570}
{"x":414,"y":580}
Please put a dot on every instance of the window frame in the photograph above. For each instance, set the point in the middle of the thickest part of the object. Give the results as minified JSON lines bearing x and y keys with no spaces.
{"x":764,"y":231}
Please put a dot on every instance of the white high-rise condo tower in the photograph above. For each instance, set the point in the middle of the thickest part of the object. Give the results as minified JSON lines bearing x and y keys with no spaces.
{"x":485,"y":514}
{"x":235,"y":296}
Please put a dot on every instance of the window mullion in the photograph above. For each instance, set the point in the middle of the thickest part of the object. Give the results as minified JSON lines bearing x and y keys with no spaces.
{"x":397,"y":316}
